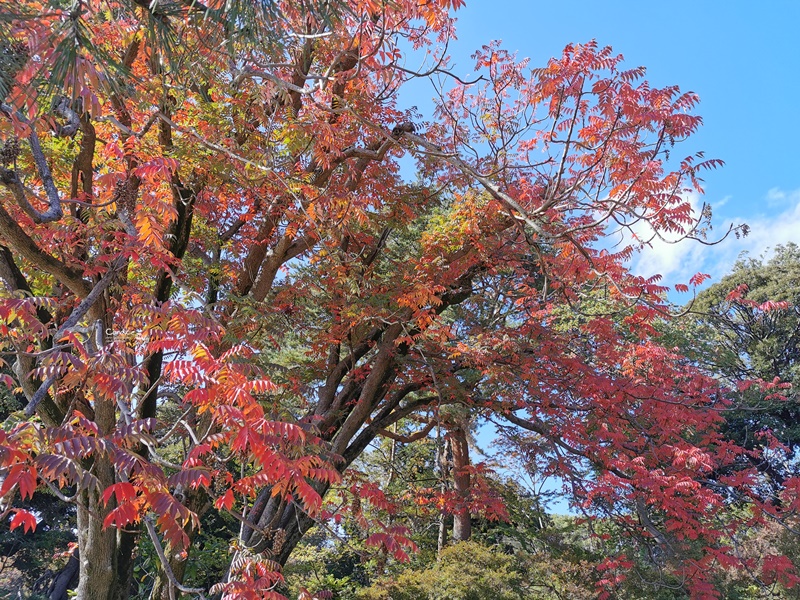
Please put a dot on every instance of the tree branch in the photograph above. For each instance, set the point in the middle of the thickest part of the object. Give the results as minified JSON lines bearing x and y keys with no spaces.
{"x":77,"y":314}
{"x":23,"y":244}
{"x":151,"y":531}
{"x":11,"y":180}
{"x":407,"y":439}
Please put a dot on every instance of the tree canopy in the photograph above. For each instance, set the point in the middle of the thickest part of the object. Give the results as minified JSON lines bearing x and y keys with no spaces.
{"x":221,"y":287}
{"x":745,"y":327}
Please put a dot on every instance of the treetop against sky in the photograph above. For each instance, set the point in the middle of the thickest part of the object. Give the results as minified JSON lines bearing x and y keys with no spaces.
{"x":739,"y":57}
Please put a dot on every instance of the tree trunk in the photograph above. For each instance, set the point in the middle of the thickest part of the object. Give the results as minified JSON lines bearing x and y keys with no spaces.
{"x":462,"y":525}
{"x":350,"y":416}
{"x":97,"y":547}
{"x":162,"y":584}
{"x":441,"y":541}
{"x":126,"y":546}
{"x":104,"y":574}
{"x":443,"y":453}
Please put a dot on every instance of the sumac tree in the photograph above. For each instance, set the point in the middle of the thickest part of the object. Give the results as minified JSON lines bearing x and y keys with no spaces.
{"x":219,"y":288}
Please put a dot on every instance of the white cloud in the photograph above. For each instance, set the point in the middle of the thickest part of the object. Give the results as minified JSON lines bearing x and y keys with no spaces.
{"x":678,"y":262}
{"x":721,"y":203}
{"x":776,"y":196}
{"x":673,"y":259}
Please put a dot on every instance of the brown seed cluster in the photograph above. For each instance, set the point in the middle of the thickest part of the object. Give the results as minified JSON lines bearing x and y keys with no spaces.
{"x":123,"y":195}
{"x":278,"y":539}
{"x":10,"y":151}
{"x":220,"y":486}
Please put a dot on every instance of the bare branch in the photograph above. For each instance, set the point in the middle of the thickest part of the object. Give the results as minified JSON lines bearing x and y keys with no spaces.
{"x":407,"y":439}
{"x":151,"y":531}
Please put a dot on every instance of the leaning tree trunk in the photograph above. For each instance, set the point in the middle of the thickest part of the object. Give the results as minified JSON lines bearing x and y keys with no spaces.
{"x":352,"y":409}
{"x":282,"y":526}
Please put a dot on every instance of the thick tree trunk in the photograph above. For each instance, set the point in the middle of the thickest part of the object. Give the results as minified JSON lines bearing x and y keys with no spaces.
{"x":281,"y":526}
{"x":462,"y":525}
{"x":126,"y":547}
{"x":97,"y":547}
{"x":102,"y":573}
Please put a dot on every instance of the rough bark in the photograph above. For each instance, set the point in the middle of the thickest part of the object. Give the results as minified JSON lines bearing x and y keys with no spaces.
{"x":23,"y":245}
{"x":126,"y":545}
{"x":97,"y":546}
{"x":50,"y":413}
{"x":100,"y":575}
{"x":462,"y":526}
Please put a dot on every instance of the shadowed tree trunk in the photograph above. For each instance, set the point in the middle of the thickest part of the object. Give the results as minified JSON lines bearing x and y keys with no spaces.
{"x":443,"y":462}
{"x":65,"y":579}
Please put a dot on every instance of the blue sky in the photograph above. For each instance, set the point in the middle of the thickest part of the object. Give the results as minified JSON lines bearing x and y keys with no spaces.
{"x":741,"y":57}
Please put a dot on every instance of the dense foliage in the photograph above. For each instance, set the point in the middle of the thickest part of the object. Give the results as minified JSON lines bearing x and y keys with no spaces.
{"x":747,"y":326}
{"x":219,"y":291}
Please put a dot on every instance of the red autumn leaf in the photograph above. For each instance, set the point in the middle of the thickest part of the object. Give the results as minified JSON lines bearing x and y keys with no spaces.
{"x":25,"y":519}
{"x":123,"y":491}
{"x":225,"y":501}
{"x":244,"y":293}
